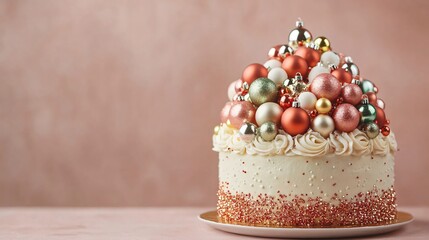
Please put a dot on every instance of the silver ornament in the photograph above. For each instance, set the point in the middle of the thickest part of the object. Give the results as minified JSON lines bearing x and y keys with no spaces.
{"x":285,"y":49}
{"x":262,"y":90}
{"x":247,"y":131}
{"x":299,"y":35}
{"x":268,"y":112}
{"x":371,"y":130}
{"x":323,"y":124}
{"x":349,"y":66}
{"x":268,"y":131}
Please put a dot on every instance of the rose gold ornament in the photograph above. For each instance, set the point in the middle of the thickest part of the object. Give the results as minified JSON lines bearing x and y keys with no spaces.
{"x":372,"y":98}
{"x":311,"y":56}
{"x":351,"y":93}
{"x":385,"y":130}
{"x":273,"y":53}
{"x":295,"y":120}
{"x":254,"y":71}
{"x":380,"y":117}
{"x":225,"y":112}
{"x":326,"y":86}
{"x":342,"y":75}
{"x":295,"y":64}
{"x":346,"y":117}
{"x":241,"y":112}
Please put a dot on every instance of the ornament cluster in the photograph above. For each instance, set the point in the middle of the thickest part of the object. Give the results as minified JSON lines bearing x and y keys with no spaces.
{"x":302,"y":85}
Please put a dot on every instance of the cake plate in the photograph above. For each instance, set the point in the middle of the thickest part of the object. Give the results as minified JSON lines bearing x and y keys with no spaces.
{"x":211,"y":219}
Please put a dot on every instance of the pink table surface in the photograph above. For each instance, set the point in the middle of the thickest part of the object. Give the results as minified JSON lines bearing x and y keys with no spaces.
{"x":142,"y":223}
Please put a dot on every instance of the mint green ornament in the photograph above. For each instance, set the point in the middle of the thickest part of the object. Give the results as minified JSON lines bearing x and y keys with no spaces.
{"x":368,"y":113}
{"x":366,"y":86}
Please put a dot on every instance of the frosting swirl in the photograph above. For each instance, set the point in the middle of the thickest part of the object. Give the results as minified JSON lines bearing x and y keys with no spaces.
{"x":309,"y":144}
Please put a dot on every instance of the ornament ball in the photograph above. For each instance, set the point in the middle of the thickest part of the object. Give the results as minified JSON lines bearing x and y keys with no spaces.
{"x":241,"y":112}
{"x":322,"y":43}
{"x":268,"y":112}
{"x":367,"y":86}
{"x":278,"y":75}
{"x":299,"y":35}
{"x":268,"y":131}
{"x":351,"y":93}
{"x":273,"y":53}
{"x":323,"y":105}
{"x":263,"y":90}
{"x":316,"y":71}
{"x":311,"y":56}
{"x":286,"y":101}
{"x":346,"y":117}
{"x":342,"y":75}
{"x":254,"y":71}
{"x":307,"y":100}
{"x":272,"y":63}
{"x":329,"y":58}
{"x":380,"y":117}
{"x":295,"y":64}
{"x":368,"y":113}
{"x":371,"y":130}
{"x":247,"y":131}
{"x":285,"y":50}
{"x":372,"y":98}
{"x":295,"y":121}
{"x":327,"y":86}
{"x":225,"y":112}
{"x":385,"y":130}
{"x":350,"y":67}
{"x":323,"y":124}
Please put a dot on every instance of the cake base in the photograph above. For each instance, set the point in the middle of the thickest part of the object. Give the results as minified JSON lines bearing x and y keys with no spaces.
{"x":211,"y":218}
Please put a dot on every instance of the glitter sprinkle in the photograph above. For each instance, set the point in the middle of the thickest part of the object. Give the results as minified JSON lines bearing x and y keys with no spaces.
{"x":369,"y":208}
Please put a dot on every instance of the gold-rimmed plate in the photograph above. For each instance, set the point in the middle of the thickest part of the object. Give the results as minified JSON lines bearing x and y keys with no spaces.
{"x":211,"y":218}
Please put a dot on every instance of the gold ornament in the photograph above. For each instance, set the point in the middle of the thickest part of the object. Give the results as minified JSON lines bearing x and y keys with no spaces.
{"x":295,"y":86}
{"x":299,"y":35}
{"x":322,"y":43}
{"x":268,"y":131}
{"x":323,"y":105}
{"x":216,"y":130}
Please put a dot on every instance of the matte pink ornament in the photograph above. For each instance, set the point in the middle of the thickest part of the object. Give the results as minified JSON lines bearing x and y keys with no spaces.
{"x":325,"y":85}
{"x":346,"y":117}
{"x":225,"y":112}
{"x":241,"y":112}
{"x":352,"y":94}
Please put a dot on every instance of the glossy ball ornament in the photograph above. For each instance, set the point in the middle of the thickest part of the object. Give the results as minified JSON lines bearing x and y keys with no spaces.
{"x":247,"y":131}
{"x":316,"y":71}
{"x":346,"y":117}
{"x":252,"y":72}
{"x":231,"y":90}
{"x":323,"y":105}
{"x":285,"y":50}
{"x":295,"y":64}
{"x":322,"y":43}
{"x":268,"y":112}
{"x":295,"y":120}
{"x":342,"y":75}
{"x":263,"y":90}
{"x":385,"y":130}
{"x":380,"y":103}
{"x":310,"y":55}
{"x":278,"y":75}
{"x":351,"y":93}
{"x":273,"y":53}
{"x":350,"y":67}
{"x":299,"y":35}
{"x":330,"y":58}
{"x":307,"y":100}
{"x":367,"y":111}
{"x":285,"y":101}
{"x":367,"y":86}
{"x":380,"y":117}
{"x":323,"y":124}
{"x":371,"y":130}
{"x":327,"y":86}
{"x":272,"y":63}
{"x":372,"y":98}
{"x":268,"y":131}
{"x":224,"y":113}
{"x":241,"y":112}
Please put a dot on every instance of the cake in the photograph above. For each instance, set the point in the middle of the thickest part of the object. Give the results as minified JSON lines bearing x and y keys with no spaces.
{"x":304,"y":141}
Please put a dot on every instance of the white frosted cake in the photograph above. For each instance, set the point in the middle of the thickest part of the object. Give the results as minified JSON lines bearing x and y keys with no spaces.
{"x":304,"y":141}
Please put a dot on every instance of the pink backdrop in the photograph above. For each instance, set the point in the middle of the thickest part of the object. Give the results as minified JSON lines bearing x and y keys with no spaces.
{"x":112,"y":103}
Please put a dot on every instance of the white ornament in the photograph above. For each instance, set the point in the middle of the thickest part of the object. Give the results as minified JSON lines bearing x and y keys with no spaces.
{"x":323,"y":124}
{"x":273,"y":63}
{"x":316,"y":71}
{"x":268,"y":112}
{"x":231,"y":90}
{"x":278,"y":76}
{"x":329,"y":58}
{"x":307,"y":100}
